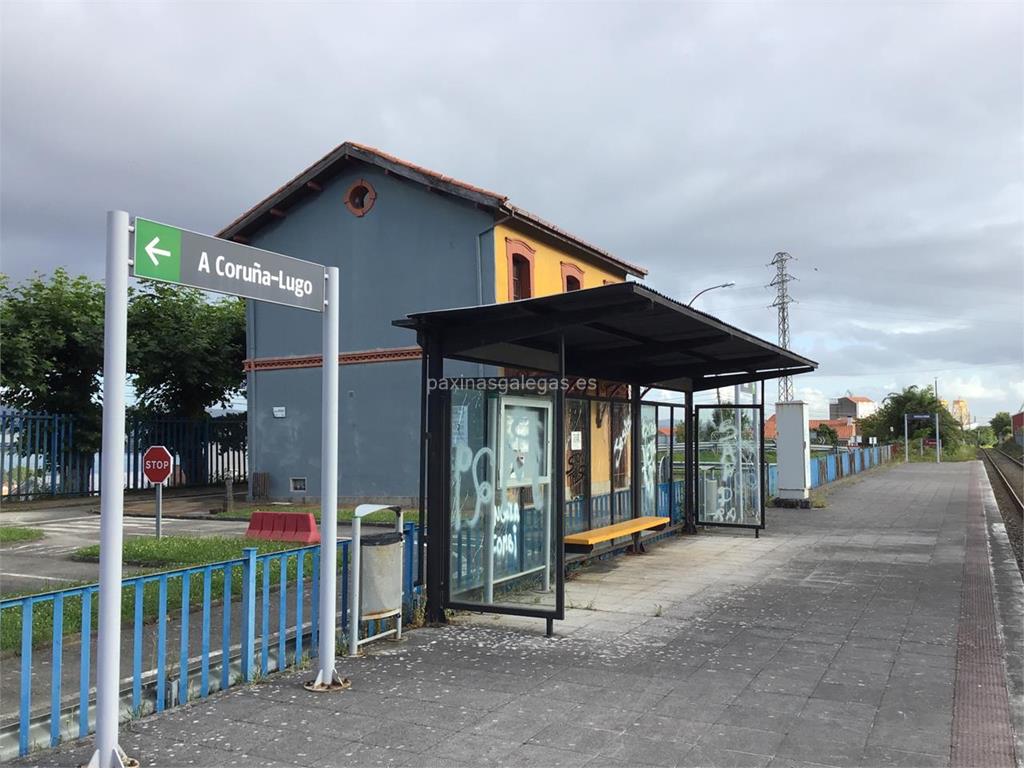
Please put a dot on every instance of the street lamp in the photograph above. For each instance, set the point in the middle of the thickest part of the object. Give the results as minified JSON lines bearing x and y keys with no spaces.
{"x":730,"y":284}
{"x":718,"y":391}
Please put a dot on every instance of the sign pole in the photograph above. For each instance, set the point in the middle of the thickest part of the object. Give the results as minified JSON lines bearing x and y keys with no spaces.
{"x":906,"y":441}
{"x":159,"y":507}
{"x":938,"y":446}
{"x":327,"y":677}
{"x":115,"y":343}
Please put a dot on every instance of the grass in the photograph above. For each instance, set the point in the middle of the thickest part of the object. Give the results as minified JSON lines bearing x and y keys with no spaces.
{"x":11,"y":533}
{"x":179,"y":551}
{"x":963,"y":453}
{"x":244,"y":512}
{"x":168,"y":553}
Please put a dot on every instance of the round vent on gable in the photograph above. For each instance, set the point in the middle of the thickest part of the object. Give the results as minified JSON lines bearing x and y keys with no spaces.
{"x":360,"y":197}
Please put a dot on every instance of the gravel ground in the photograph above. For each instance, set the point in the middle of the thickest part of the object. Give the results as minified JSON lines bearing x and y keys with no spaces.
{"x":1011,"y":516}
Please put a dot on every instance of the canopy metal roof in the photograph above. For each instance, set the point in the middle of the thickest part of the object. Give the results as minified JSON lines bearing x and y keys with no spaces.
{"x":624,"y":332}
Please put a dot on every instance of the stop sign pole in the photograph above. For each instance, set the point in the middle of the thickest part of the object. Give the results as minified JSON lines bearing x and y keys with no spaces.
{"x":156,"y":466}
{"x":159,"y":508}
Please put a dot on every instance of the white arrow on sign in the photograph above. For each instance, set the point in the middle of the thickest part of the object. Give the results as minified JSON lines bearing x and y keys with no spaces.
{"x":153,"y":251}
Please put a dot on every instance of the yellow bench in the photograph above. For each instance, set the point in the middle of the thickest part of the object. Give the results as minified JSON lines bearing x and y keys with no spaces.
{"x":585,"y":541}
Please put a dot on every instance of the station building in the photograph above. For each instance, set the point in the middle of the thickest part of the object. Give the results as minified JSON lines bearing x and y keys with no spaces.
{"x":405,"y":239}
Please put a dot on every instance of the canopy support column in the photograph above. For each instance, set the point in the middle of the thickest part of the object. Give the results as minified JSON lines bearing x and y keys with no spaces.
{"x":692,"y":465}
{"x":436,"y":479}
{"x":421,"y":538}
{"x":556,"y":521}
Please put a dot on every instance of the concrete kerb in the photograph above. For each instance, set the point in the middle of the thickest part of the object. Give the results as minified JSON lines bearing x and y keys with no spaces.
{"x":1009,"y":600}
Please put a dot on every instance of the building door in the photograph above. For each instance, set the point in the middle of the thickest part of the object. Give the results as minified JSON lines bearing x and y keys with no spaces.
{"x":504,"y":536}
{"x":730,"y":479}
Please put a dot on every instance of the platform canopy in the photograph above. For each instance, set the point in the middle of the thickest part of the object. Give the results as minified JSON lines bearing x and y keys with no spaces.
{"x":623,"y":332}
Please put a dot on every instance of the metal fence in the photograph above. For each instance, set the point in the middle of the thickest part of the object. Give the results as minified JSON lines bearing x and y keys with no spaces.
{"x":835,"y":466}
{"x":187,"y":632}
{"x":39,"y":455}
{"x":828,"y":469}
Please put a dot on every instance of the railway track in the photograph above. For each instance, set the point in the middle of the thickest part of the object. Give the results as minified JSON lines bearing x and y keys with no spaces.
{"x":1011,"y":488}
{"x":1014,"y":459}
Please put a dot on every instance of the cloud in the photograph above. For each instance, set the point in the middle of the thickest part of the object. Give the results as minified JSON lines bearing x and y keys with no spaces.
{"x":880,"y":144}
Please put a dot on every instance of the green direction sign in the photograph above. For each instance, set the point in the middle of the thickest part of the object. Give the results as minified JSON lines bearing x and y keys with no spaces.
{"x":157,"y":251}
{"x":175,"y":255}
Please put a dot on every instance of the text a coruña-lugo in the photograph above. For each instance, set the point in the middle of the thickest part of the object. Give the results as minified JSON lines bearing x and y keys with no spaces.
{"x":256,"y":275}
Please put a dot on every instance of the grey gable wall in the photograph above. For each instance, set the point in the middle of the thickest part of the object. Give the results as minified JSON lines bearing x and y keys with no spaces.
{"x":415,"y":250}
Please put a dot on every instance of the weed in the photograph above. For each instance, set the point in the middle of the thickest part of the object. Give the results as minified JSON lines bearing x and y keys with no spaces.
{"x":658,"y":610}
{"x":419,"y":615}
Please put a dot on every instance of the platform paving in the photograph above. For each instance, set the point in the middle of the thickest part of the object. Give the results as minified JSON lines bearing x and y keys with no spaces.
{"x":830,"y":641}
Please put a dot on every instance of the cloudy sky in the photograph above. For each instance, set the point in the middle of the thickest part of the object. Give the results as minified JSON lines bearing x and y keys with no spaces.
{"x":881,"y":144}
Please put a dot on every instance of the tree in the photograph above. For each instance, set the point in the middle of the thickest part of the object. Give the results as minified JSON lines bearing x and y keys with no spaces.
{"x":51,"y":333}
{"x":983,"y":435}
{"x":185,"y":353}
{"x":1001,"y":424}
{"x":826,"y":435}
{"x":887,"y":422}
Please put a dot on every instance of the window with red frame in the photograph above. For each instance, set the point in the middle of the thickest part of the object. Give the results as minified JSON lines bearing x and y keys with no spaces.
{"x":520,"y":278}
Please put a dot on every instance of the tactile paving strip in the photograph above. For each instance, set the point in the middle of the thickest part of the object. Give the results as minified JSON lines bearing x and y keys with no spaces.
{"x":982,"y":734}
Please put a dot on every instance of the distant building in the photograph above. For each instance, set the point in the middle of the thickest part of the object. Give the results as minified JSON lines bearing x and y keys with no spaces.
{"x":1017,"y":423}
{"x":852,"y":407}
{"x":961,"y":412}
{"x":845,"y":428}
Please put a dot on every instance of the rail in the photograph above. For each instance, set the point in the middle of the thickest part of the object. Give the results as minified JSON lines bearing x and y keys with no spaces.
{"x":1014,"y":459}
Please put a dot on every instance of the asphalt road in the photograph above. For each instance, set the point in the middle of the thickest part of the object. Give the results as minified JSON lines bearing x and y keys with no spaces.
{"x":46,"y":564}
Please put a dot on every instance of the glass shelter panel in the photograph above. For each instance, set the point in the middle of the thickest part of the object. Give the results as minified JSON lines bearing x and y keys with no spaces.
{"x":577,"y":431}
{"x":677,"y":466}
{"x":600,"y":464}
{"x":502,"y":537}
{"x":622,"y":451}
{"x":650,"y":485}
{"x":729,"y":462}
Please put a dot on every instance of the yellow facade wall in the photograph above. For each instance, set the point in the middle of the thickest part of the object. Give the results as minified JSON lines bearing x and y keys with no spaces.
{"x":547,"y":266}
{"x":547,"y":280}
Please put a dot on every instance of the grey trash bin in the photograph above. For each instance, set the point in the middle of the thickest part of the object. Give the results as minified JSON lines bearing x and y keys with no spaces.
{"x":375,"y":577}
{"x":380,"y":575}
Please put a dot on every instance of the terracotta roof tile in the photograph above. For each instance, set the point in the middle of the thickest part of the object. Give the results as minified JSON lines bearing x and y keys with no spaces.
{"x":426,"y":171}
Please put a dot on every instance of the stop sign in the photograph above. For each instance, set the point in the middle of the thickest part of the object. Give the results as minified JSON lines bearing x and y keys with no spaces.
{"x":156,"y":464}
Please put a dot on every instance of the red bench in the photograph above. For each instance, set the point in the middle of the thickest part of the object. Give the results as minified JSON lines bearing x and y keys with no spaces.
{"x":284,"y":526}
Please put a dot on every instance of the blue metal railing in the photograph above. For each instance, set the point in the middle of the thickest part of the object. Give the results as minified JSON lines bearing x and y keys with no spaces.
{"x":830,"y":468}
{"x":182,"y":596}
